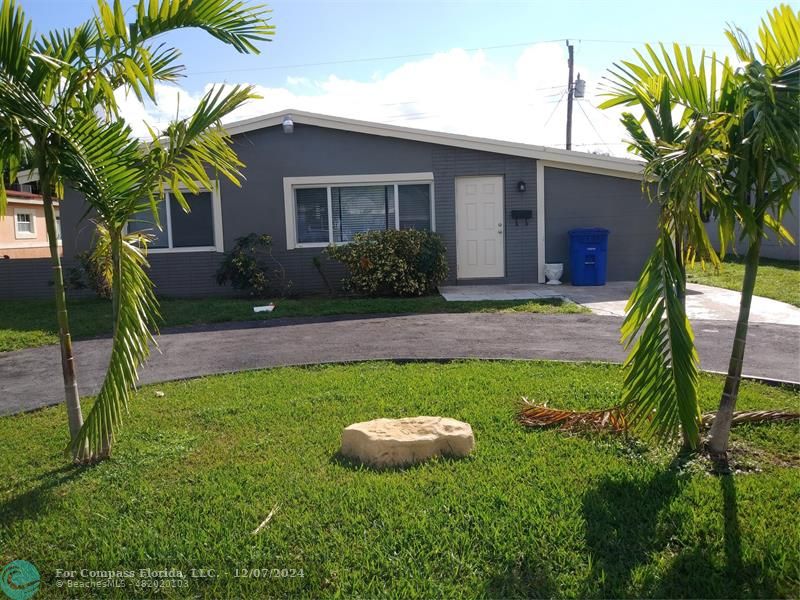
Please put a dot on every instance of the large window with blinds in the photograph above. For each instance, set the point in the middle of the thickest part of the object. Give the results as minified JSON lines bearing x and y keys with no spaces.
{"x":325,"y":214}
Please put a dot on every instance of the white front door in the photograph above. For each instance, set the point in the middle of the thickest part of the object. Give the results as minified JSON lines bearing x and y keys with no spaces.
{"x":479,"y":227}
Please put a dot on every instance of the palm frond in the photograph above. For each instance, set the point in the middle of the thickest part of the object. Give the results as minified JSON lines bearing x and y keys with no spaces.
{"x":755,"y":417}
{"x":231,"y":21}
{"x":694,"y":83}
{"x":116,"y":156}
{"x":659,"y":391}
{"x":537,"y":415}
{"x":191,"y":149}
{"x":15,"y":40}
{"x":137,"y":313}
{"x":779,"y":37}
{"x":613,"y":419}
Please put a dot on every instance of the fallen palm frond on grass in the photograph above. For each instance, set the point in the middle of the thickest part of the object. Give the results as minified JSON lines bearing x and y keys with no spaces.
{"x":611,"y":419}
{"x":754,"y":417}
{"x":614,"y":419}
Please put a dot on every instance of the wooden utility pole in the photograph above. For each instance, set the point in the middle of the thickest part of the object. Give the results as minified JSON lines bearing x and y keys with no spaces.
{"x":570,"y":93}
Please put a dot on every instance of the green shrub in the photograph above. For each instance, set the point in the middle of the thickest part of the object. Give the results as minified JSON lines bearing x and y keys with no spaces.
{"x":93,"y":270}
{"x":392,"y":263}
{"x":251,"y":267}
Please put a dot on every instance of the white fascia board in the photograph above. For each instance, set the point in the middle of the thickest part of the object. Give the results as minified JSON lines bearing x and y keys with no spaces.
{"x":566,"y":159}
{"x":384,"y":178}
{"x":592,"y":169}
{"x":12,"y":200}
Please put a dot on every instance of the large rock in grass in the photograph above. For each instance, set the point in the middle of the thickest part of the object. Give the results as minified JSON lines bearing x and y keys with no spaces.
{"x":397,"y":442}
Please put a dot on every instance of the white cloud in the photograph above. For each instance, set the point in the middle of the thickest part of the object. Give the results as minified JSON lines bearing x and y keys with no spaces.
{"x":456,"y":91}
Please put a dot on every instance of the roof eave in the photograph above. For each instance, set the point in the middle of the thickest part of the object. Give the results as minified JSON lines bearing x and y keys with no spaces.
{"x":556,"y":156}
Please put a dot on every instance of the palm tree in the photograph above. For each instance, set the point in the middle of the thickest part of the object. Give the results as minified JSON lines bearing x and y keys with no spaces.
{"x":660,"y":387}
{"x":48,"y":82}
{"x":741,"y":157}
{"x":130,"y":177}
{"x":763,"y":144}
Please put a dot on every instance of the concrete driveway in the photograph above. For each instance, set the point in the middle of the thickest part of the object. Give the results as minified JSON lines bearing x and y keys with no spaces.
{"x":31,"y":378}
{"x":702,"y":301}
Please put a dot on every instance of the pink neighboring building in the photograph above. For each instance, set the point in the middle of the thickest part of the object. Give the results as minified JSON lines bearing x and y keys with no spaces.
{"x":23,"y":233}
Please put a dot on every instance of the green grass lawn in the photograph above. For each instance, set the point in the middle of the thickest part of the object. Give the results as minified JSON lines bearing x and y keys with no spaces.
{"x":529,"y":514}
{"x":777,"y":279}
{"x":30,"y":323}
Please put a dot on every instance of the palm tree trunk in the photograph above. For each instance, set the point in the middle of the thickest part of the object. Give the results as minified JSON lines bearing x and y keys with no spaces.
{"x":721,"y":427}
{"x":71,"y":395}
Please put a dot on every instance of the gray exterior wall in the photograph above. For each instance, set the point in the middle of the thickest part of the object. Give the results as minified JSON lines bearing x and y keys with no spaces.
{"x":25,"y":278}
{"x":771,"y":247}
{"x":574,"y":199}
{"x":258,"y":206}
{"x":192,"y":276}
{"x":520,"y":240}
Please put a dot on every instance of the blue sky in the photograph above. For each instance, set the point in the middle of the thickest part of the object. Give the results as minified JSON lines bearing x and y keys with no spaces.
{"x":451,"y":90}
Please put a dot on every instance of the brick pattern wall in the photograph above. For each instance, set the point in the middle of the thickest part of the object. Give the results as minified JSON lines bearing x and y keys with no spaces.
{"x":574,"y":199}
{"x":187,"y":274}
{"x":520,"y":239}
{"x":31,"y":278}
{"x":181,"y":275}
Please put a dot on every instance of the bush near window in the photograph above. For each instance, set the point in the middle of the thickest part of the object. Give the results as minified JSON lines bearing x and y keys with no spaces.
{"x":93,"y":270}
{"x":251,"y":267}
{"x":392,"y":263}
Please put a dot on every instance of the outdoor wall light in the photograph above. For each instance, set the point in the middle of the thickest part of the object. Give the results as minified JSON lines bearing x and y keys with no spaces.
{"x":521,"y":186}
{"x":288,"y":124}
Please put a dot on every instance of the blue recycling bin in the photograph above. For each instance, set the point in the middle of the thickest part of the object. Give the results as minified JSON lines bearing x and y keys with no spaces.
{"x":588,"y":256}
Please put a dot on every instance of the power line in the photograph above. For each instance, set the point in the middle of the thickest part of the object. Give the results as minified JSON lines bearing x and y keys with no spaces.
{"x":423,"y":55}
{"x":539,"y":89}
{"x":371,"y":59}
{"x":600,"y":137}
{"x":555,"y":108}
{"x":602,"y":113}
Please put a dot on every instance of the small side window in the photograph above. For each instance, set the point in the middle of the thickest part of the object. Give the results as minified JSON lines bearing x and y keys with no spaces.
{"x":312,"y":215}
{"x":415,"y":206}
{"x":24,"y":222}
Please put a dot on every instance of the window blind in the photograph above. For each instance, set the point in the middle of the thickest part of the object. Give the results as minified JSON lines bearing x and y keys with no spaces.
{"x":361,"y":208}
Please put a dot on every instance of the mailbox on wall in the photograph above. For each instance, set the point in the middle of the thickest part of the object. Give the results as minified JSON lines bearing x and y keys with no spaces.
{"x":519,"y":215}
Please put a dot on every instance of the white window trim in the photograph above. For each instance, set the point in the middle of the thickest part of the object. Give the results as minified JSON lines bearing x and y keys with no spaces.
{"x":216,"y":215}
{"x":540,"y":221}
{"x":290,"y":184}
{"x":24,"y":235}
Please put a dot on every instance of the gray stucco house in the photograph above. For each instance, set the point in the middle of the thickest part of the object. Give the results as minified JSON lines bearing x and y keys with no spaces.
{"x":502,"y":208}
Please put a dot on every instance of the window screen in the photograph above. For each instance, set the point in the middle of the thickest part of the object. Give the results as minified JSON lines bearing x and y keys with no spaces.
{"x":312,"y":215}
{"x":415,"y":206}
{"x":195,"y":228}
{"x":361,"y":208}
{"x":143,"y":221}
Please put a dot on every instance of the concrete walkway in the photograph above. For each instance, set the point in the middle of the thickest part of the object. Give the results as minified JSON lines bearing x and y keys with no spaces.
{"x":31,"y":378}
{"x":702,"y":301}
